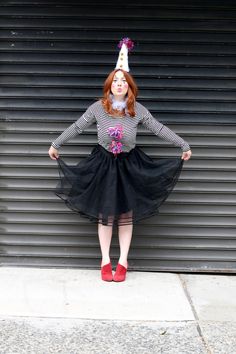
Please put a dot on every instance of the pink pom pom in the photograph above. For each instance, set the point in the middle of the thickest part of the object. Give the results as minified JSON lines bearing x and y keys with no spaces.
{"x":127,"y":41}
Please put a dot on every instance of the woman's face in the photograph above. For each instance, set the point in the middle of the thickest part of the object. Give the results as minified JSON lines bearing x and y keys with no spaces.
{"x":119,"y":86}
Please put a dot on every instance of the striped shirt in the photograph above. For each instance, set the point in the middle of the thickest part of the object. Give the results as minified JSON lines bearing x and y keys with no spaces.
{"x":106,"y":123}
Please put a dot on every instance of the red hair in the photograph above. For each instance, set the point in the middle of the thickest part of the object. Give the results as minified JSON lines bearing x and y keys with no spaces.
{"x":131,"y":94}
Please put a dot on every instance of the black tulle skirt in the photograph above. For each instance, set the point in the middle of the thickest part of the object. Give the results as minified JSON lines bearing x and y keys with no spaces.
{"x":122,"y":189}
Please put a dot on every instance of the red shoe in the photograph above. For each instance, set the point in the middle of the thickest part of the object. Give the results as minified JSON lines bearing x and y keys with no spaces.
{"x":120,"y":273}
{"x":106,"y":272}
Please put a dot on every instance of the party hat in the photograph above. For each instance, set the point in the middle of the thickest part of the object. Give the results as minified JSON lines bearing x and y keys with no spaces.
{"x":125,"y":45}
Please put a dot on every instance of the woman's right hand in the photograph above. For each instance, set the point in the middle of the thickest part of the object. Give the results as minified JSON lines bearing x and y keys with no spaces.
{"x":53,"y":153}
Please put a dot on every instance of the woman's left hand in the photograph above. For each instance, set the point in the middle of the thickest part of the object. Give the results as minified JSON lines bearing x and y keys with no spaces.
{"x":186,"y":155}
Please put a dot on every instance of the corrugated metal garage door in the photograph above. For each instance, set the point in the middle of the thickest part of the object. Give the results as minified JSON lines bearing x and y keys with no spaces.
{"x":54,"y":58}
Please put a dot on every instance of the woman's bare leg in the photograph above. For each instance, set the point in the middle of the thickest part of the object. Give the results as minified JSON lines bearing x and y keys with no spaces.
{"x":125,"y":235}
{"x":105,"y":236}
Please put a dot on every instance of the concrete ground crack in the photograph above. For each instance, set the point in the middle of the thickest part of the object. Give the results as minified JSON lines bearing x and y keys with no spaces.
{"x":199,"y":329}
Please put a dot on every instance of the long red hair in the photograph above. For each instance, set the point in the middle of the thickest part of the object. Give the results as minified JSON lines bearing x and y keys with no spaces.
{"x":131,"y":94}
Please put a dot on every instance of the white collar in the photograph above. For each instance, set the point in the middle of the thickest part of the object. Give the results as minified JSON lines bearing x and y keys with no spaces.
{"x":118,"y":105}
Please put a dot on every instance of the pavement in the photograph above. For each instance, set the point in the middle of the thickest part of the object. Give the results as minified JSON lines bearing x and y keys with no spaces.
{"x":72,"y":311}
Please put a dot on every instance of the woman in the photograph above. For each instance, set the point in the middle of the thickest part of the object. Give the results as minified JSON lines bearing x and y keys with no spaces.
{"x":117,"y":183}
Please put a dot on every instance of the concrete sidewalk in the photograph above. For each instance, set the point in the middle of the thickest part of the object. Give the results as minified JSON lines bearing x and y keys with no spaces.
{"x":72,"y":311}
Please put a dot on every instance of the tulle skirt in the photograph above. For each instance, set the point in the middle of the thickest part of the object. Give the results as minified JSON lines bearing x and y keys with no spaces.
{"x":122,"y":189}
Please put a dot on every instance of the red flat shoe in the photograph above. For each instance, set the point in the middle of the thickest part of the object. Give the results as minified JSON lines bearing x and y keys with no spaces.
{"x":120,"y":273}
{"x":106,"y":272}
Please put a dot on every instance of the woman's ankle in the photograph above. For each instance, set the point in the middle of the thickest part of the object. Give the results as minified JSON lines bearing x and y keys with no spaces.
{"x":123,"y":262}
{"x":105,"y":261}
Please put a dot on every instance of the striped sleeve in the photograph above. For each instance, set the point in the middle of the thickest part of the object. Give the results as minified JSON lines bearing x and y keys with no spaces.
{"x":162,"y":131}
{"x":87,"y":119}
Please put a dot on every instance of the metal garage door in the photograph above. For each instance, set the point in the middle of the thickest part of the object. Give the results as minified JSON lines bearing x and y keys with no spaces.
{"x":54,"y":57}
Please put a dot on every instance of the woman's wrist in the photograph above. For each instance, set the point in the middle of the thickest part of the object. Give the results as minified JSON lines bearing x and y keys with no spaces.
{"x":186,"y":147}
{"x":55,"y":146}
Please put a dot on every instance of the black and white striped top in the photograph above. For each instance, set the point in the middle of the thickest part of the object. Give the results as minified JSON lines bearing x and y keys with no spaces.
{"x":96,"y":114}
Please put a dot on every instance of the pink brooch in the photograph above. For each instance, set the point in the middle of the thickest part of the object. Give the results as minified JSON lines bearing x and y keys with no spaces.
{"x":116,"y":147}
{"x":116,"y":133}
